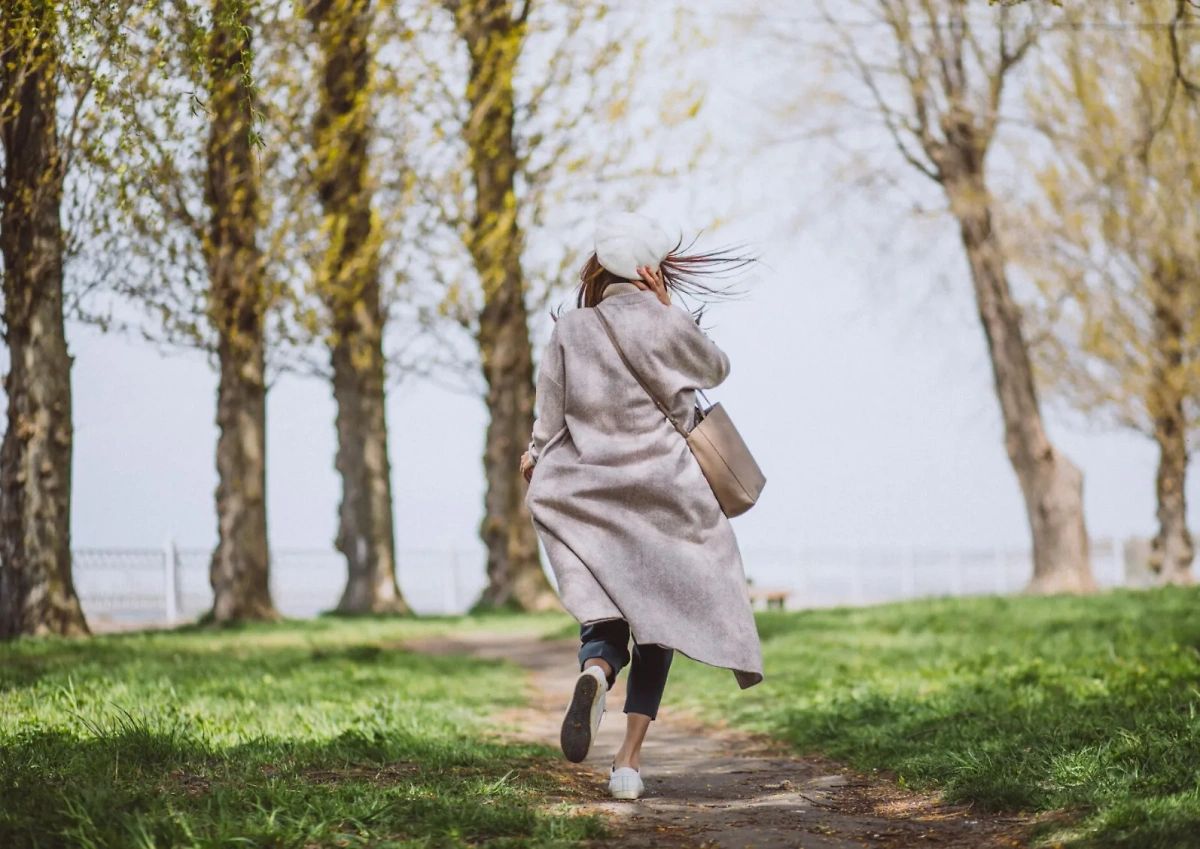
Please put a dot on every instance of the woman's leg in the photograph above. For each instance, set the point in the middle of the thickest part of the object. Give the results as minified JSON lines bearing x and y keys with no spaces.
{"x":643,"y":695}
{"x":630,"y":753}
{"x":606,"y":645}
{"x":603,"y":653}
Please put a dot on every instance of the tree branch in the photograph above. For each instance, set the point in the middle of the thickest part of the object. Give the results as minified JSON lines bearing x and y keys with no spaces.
{"x":894,"y":127}
{"x":1192,"y":88}
{"x":1007,"y":60}
{"x":524,"y":14}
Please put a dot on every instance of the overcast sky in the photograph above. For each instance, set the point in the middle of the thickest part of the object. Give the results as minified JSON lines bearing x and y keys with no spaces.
{"x":875,"y":426}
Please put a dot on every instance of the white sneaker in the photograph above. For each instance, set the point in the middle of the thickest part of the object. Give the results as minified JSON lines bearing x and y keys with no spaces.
{"x":625,"y":783}
{"x":582,"y":719}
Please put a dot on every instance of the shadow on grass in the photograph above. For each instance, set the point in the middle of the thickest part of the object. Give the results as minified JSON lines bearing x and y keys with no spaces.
{"x":140,"y":786}
{"x":1021,"y":743}
{"x":311,"y":735}
{"x":1089,"y":705}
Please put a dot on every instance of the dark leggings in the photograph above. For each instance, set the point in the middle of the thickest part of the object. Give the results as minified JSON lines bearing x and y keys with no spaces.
{"x":609,"y":641}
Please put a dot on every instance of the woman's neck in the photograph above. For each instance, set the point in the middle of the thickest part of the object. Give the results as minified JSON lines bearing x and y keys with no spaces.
{"x":623,"y":287}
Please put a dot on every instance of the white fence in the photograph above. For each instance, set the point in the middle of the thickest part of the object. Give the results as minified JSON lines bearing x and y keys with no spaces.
{"x":171,"y":585}
{"x":144,"y":586}
{"x":832,"y":577}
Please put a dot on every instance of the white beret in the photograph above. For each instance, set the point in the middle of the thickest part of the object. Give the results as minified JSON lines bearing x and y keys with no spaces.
{"x":626,"y":241}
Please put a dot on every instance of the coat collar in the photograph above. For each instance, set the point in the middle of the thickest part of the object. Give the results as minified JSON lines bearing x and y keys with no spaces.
{"x":624,"y":287}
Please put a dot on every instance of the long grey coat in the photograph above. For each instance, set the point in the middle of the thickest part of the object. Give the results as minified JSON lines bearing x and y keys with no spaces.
{"x":632,"y":529}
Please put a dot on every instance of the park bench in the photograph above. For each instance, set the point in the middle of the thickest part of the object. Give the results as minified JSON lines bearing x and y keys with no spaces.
{"x":771,"y":599}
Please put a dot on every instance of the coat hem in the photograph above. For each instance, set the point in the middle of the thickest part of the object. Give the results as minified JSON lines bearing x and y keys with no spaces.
{"x":746,"y":678}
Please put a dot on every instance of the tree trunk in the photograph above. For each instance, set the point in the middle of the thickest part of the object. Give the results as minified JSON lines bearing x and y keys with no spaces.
{"x":348,"y":281}
{"x":515,"y":576}
{"x":365,"y":531}
{"x":1171,"y":551}
{"x":240,"y":571}
{"x":1051,"y":484}
{"x":493,"y":39}
{"x":37,"y":594}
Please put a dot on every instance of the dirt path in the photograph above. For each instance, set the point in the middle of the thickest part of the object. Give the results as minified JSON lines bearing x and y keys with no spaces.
{"x":716,"y":787}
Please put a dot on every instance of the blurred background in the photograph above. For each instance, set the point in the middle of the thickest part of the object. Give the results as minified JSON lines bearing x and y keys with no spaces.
{"x":818,"y":136}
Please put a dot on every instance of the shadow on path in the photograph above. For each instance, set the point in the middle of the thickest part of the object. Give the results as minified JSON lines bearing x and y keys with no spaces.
{"x":718,"y":787}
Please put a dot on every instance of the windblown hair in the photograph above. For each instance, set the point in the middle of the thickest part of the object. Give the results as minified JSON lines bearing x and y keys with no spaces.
{"x":705,"y":277}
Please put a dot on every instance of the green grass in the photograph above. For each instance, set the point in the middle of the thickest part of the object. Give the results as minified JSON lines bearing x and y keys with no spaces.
{"x":326,"y":734}
{"x":1090,"y":705}
{"x":299,"y":735}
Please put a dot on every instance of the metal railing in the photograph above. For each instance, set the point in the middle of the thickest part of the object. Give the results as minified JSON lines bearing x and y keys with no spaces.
{"x":831,"y":577}
{"x":170,"y":585}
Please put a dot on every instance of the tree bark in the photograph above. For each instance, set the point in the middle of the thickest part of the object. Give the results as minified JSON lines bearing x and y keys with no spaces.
{"x":1050,"y":483}
{"x":1171,"y":551}
{"x":240,"y":570}
{"x":365,"y":531}
{"x":349,"y":285}
{"x":493,"y":36}
{"x":37,"y":593}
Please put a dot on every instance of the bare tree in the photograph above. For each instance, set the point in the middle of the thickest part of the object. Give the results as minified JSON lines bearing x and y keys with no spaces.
{"x":237,"y":305}
{"x":348,"y":282}
{"x":1113,"y":241}
{"x":935,"y":80}
{"x":493,"y":32}
{"x":37,"y":594}
{"x":181,"y":223}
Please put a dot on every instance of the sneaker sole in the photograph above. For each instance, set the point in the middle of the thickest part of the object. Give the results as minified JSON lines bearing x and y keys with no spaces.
{"x":576,"y":737}
{"x":626,"y":795}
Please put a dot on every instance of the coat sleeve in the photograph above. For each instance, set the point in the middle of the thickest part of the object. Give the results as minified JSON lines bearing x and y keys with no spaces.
{"x":551,"y":398}
{"x":697,"y":356}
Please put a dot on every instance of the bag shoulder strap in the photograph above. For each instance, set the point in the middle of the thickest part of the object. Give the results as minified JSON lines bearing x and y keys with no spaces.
{"x":662,"y":408}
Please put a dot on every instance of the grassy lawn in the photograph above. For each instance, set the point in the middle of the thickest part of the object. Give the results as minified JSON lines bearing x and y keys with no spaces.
{"x":326,"y":734}
{"x":306,"y":735}
{"x":1029,"y":704}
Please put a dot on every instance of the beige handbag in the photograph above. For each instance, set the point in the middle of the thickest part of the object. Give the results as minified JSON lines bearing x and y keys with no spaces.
{"x":724,"y":459}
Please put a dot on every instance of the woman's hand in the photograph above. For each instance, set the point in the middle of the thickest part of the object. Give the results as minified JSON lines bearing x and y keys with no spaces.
{"x":650,"y":280}
{"x":527,"y":467}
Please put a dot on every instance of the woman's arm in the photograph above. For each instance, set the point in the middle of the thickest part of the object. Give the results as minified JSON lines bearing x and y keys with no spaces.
{"x":550,"y":403}
{"x":697,"y":355}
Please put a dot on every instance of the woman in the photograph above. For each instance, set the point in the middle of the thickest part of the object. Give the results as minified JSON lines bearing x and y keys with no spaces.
{"x":637,"y":541}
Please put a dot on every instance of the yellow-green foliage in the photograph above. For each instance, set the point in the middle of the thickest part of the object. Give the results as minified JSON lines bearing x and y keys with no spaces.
{"x":1113,"y":234}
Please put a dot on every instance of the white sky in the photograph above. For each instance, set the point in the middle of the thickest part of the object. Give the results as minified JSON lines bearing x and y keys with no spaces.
{"x":875,"y":426}
{"x":859,"y":379}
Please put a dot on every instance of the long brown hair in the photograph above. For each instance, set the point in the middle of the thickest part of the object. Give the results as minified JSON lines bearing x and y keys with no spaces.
{"x":692,"y":275}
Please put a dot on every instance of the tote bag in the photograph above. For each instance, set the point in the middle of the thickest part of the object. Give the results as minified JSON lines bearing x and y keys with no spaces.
{"x":726,"y":462}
